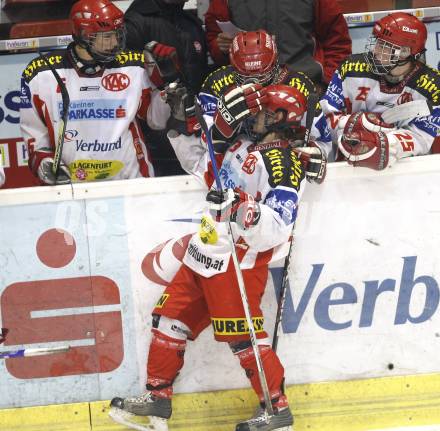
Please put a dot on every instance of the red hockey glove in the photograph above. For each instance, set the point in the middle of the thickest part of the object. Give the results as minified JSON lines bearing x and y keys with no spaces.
{"x":161,"y":63}
{"x":364,"y":148}
{"x":361,"y":121}
{"x":314,"y":162}
{"x":234,"y":205}
{"x":237,"y":105}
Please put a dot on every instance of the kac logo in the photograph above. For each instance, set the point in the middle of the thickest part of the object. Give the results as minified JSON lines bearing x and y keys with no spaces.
{"x":115,"y":81}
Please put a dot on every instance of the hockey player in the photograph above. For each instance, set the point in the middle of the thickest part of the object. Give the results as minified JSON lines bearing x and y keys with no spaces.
{"x":109,"y":91}
{"x":253,"y":59}
{"x":384,"y":105}
{"x":262,"y":185}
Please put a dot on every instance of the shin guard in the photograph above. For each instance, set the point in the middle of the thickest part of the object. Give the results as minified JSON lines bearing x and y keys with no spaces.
{"x":165,"y":359}
{"x":273,"y":371}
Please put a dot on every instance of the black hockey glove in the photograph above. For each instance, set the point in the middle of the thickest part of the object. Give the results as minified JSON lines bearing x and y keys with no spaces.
{"x":235,"y":106}
{"x":181,"y":102}
{"x":235,"y":206}
{"x":314,"y":162}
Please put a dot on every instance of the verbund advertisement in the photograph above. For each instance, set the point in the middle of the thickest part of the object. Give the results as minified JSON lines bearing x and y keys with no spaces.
{"x":85,"y":266}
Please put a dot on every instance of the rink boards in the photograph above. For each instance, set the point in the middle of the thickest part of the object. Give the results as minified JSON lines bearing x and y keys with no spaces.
{"x":361,"y":312}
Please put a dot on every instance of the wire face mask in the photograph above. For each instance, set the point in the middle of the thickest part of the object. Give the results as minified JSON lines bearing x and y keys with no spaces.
{"x":105,"y":46}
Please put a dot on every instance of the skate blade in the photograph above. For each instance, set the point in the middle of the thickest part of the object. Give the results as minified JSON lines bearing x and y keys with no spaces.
{"x":140,"y":423}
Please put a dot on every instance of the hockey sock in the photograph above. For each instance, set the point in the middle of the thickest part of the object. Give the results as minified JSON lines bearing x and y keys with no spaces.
{"x":273,"y":371}
{"x":165,"y":359}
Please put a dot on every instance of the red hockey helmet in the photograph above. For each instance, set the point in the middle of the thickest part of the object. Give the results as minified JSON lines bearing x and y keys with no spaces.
{"x":396,"y":39}
{"x":254,"y":56}
{"x":98,"y":26}
{"x":282,"y":112}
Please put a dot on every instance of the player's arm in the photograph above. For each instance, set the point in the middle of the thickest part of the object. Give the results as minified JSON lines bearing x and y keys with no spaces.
{"x":380,"y":145}
{"x":37,"y":131}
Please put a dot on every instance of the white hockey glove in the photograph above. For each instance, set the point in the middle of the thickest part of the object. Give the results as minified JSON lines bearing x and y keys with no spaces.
{"x":46,"y":175}
{"x":235,"y":206}
{"x":314,"y":162}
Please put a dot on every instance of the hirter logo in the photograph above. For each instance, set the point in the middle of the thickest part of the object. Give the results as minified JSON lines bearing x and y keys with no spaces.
{"x":115,"y":81}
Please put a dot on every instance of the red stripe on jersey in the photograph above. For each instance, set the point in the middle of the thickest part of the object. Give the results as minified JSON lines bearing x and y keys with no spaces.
{"x":144,"y":103}
{"x":137,"y":144}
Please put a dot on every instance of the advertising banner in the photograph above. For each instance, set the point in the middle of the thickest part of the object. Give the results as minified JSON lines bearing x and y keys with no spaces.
{"x":362,"y":300}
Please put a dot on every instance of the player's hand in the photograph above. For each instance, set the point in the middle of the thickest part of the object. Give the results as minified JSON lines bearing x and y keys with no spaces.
{"x":161,"y":63}
{"x":181,"y":102}
{"x":361,"y":121}
{"x":237,"y":105}
{"x":234,"y":205}
{"x":314,"y":162}
{"x":224,"y":41}
{"x":367,"y":149}
{"x":46,"y":175}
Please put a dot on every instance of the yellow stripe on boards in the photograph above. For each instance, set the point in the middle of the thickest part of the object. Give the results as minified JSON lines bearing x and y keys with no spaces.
{"x":362,"y":405}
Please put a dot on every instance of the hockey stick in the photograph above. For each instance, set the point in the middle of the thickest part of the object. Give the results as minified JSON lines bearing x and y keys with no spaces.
{"x":21,"y":353}
{"x":312,"y":101}
{"x":238,"y":273}
{"x":63,"y":117}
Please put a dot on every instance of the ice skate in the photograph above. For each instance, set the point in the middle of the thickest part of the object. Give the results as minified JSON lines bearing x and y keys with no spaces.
{"x":144,"y":413}
{"x":282,"y":420}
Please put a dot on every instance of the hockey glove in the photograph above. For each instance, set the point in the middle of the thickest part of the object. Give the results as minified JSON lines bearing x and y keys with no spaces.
{"x":364,"y":148}
{"x":235,"y":206}
{"x":46,"y":175}
{"x":314,"y":162}
{"x":361,"y":121}
{"x":234,"y":107}
{"x":161,"y":63}
{"x":181,"y":102}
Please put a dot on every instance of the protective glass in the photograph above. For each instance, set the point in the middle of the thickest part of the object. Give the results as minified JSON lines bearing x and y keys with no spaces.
{"x":267,"y":78}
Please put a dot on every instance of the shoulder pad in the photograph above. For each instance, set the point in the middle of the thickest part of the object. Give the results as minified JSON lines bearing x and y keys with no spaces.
{"x":301,"y":82}
{"x":38,"y":64}
{"x":427,"y":83}
{"x":355,"y":65}
{"x":129,"y":58}
{"x":219,"y":81}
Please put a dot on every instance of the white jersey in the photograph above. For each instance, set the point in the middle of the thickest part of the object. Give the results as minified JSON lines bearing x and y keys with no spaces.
{"x":103,"y":139}
{"x":272,"y":174}
{"x":355,"y":88}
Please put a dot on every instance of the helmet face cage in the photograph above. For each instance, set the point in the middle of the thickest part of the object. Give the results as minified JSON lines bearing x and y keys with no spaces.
{"x":104,"y":46}
{"x":267,"y":78}
{"x":383,"y":56}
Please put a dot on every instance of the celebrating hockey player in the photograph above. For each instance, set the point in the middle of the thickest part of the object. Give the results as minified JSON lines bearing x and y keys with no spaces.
{"x":262,"y":181}
{"x":109,"y":90}
{"x":383,"y":105}
{"x":254,"y":59}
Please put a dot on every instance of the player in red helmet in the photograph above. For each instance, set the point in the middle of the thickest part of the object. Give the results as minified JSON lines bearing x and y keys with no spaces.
{"x":382,"y":106}
{"x":262,"y":183}
{"x":225,"y":102}
{"x":109,"y":91}
{"x":98,"y":27}
{"x":397,"y":40}
{"x":254,"y":57}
